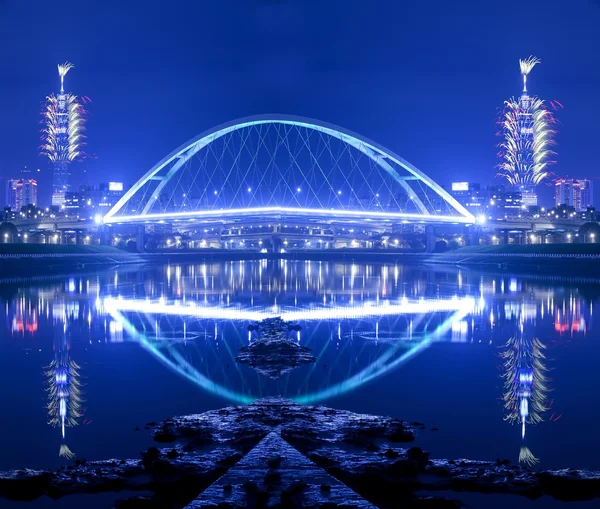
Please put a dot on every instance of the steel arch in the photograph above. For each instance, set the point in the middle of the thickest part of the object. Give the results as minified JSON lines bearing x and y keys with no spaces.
{"x":377,"y":153}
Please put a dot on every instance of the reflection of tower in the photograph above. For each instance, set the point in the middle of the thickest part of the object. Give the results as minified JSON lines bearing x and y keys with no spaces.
{"x":64,"y":389}
{"x":525,"y":385}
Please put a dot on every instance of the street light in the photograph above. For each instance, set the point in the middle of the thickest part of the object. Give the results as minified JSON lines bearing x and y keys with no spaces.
{"x":592,"y":236}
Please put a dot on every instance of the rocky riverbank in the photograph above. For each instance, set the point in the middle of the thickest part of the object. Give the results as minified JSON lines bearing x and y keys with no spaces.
{"x":277,"y":453}
{"x":273,"y":353}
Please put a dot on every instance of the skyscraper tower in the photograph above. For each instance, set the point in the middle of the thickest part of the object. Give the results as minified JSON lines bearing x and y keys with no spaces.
{"x":527,"y":129}
{"x":62,"y":135}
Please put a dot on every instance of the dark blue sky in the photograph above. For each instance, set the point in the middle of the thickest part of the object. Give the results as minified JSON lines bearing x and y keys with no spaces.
{"x":424,"y":78}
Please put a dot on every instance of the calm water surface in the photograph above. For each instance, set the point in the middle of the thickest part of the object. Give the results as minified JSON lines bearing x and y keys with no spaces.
{"x":505,"y":366}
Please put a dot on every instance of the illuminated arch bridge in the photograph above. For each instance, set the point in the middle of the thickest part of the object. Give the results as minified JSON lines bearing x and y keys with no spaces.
{"x":281,"y":172}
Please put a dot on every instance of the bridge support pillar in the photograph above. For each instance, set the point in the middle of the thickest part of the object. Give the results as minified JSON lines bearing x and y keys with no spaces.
{"x":140,"y":240}
{"x":78,"y":237}
{"x":505,"y":236}
{"x":475,"y":235}
{"x":430,"y":238}
{"x":103,"y":236}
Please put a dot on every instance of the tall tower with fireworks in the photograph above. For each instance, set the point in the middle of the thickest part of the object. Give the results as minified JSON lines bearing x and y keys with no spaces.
{"x":62,"y":134}
{"x":528,"y":129}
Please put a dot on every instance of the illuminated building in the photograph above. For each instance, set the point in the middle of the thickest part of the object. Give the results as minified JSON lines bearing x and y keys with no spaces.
{"x":92,"y":200}
{"x":21,"y":193}
{"x":14,"y":194}
{"x":62,"y":136}
{"x":72,"y":205}
{"x":575,"y":193}
{"x":471,"y":196}
{"x":30,"y":193}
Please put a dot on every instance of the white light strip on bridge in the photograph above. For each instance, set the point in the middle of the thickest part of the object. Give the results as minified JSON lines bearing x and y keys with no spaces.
{"x":386,"y":308}
{"x":328,"y":213}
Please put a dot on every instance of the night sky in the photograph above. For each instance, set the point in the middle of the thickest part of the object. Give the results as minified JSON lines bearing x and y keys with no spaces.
{"x":424,"y":78}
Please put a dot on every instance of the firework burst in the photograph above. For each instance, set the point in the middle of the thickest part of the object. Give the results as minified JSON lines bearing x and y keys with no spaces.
{"x":64,"y":121}
{"x":527,"y":126}
{"x":526,"y":66}
{"x":63,"y":69}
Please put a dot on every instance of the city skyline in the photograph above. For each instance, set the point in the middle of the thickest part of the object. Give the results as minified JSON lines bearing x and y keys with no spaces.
{"x":126,"y":149}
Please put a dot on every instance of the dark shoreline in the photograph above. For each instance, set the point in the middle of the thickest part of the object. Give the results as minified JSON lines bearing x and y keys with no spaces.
{"x":291,"y":455}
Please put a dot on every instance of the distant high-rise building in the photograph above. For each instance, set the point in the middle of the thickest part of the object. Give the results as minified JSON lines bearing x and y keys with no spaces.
{"x":30,"y":192}
{"x":20,"y":193}
{"x":529,"y":197}
{"x":586,"y":194}
{"x":574,"y":193}
{"x":14,"y":194}
{"x":470,"y":196}
{"x":62,"y":136}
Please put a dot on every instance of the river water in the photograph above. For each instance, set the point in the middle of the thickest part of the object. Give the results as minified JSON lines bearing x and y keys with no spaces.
{"x":499,"y":365}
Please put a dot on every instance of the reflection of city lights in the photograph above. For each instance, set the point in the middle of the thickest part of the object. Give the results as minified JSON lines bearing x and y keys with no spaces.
{"x":460,"y":327}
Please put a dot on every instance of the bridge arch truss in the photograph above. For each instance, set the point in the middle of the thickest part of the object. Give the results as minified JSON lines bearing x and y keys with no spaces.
{"x":285,"y":166}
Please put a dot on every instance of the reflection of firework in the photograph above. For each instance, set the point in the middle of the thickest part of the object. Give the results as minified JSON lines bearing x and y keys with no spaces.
{"x":65,"y":452}
{"x":527,"y":457}
{"x":525,"y":385}
{"x":527,"y":128}
{"x":64,"y":393}
{"x":525,"y":382}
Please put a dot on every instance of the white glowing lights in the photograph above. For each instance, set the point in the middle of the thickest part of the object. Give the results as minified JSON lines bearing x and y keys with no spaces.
{"x":289,"y":211}
{"x":384,"y":308}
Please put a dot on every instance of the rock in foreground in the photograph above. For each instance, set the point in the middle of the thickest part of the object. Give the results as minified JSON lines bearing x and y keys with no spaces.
{"x":273,"y":353}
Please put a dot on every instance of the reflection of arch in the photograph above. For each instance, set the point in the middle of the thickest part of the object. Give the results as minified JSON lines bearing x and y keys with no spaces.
{"x":156,"y":199}
{"x":380,"y":366}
